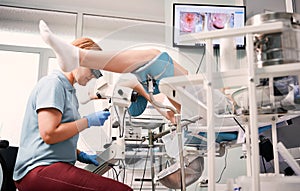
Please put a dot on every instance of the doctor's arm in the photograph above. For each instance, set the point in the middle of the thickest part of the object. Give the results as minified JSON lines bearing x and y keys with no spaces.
{"x":53,"y":131}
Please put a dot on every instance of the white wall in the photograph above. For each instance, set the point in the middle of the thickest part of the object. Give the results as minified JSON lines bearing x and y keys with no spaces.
{"x":256,"y":7}
{"x":151,"y":10}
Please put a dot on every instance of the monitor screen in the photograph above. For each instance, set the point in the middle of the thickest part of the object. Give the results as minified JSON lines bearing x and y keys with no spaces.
{"x":195,"y":18}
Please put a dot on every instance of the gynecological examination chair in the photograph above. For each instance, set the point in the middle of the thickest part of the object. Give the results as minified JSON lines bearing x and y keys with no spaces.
{"x":157,"y":76}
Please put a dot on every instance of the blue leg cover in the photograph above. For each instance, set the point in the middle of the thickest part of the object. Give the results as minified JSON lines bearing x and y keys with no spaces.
{"x":159,"y":67}
{"x":222,"y":136}
{"x":225,"y":136}
{"x":138,"y":107}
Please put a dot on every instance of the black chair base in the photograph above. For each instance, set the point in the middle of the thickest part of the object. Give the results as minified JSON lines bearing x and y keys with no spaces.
{"x":7,"y":160}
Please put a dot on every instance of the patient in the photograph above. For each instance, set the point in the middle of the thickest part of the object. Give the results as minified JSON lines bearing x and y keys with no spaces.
{"x":125,"y":61}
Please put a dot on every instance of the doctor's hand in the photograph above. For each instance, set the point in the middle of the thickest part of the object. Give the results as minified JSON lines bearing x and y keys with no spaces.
{"x":98,"y":118}
{"x":88,"y":159}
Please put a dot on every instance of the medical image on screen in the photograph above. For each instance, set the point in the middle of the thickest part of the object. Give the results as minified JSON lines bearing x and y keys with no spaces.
{"x":191,"y":22}
{"x":219,"y":21}
{"x":190,"y":19}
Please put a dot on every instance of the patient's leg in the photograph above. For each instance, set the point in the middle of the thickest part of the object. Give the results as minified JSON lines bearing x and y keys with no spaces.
{"x":138,"y":87}
{"x":124,"y":61}
{"x":67,"y":54}
{"x":70,"y":57}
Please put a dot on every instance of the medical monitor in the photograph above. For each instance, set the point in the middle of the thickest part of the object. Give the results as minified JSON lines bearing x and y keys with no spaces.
{"x":197,"y":18}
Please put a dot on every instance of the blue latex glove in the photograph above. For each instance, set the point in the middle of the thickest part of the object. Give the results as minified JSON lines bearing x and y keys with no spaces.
{"x":98,"y":118}
{"x":88,"y":159}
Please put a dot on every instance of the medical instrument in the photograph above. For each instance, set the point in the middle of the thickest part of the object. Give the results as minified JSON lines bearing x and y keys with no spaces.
{"x":193,"y":168}
{"x":113,"y":152}
{"x":272,"y":48}
{"x":96,"y":73}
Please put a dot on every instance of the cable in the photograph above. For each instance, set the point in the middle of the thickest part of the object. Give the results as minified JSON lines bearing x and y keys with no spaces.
{"x":200,"y":61}
{"x":144,"y":170}
{"x":168,"y":164}
{"x":119,"y":119}
{"x":123,"y":170}
{"x":226,"y":153}
{"x":123,"y":125}
{"x":263,"y":161}
{"x":134,"y":163}
{"x":237,"y":122}
{"x":132,"y":174}
{"x":188,"y":120}
{"x":133,"y":167}
{"x":119,"y":174}
{"x":217,"y":57}
{"x":115,"y":171}
{"x":115,"y":108}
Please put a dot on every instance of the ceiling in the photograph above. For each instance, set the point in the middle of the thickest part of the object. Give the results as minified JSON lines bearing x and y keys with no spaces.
{"x":151,"y":10}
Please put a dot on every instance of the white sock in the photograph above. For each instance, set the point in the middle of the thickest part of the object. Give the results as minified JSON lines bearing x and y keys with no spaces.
{"x":66,"y":54}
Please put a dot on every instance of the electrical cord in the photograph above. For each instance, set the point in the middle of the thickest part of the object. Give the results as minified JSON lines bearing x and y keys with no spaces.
{"x":134,"y":155}
{"x":237,"y":122}
{"x":115,"y":108}
{"x":188,"y":120}
{"x":115,"y":172}
{"x":119,"y":119}
{"x":124,"y":168}
{"x":123,"y":126}
{"x":264,"y":165}
{"x":144,"y":172}
{"x":132,"y":174}
{"x":119,"y":174}
{"x":167,"y":164}
{"x":225,"y":165}
{"x":197,"y":70}
{"x":217,"y":57}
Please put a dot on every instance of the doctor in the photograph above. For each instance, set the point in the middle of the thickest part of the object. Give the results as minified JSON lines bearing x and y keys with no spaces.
{"x":48,"y":146}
